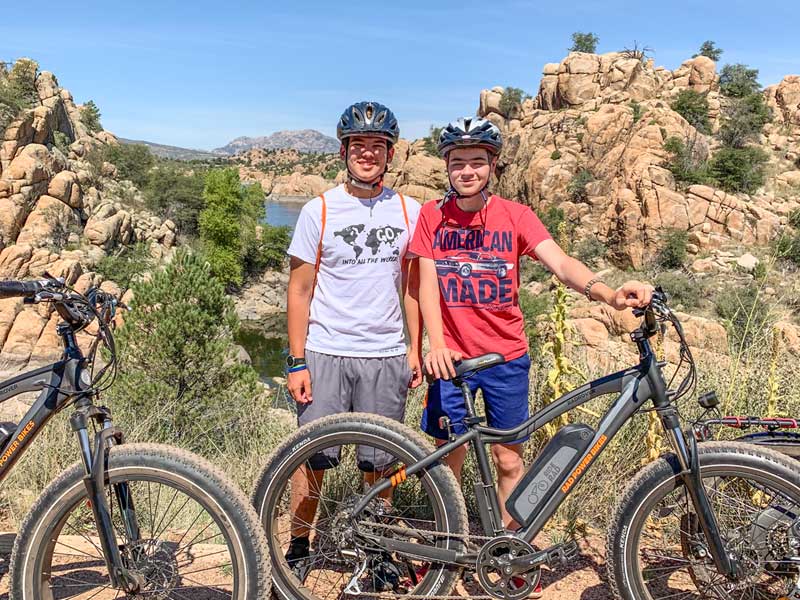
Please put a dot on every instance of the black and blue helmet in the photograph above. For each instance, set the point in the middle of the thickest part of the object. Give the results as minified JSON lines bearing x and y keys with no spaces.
{"x":368,"y":118}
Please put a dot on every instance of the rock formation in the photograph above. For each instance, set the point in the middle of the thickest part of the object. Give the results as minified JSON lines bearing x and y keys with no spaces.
{"x":61,"y":212}
{"x":610,"y":115}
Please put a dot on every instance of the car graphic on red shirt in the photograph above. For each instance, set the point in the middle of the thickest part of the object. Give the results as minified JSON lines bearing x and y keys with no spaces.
{"x":467,"y":264}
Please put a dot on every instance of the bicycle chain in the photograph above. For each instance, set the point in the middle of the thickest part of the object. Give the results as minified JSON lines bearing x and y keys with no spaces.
{"x":464,"y":536}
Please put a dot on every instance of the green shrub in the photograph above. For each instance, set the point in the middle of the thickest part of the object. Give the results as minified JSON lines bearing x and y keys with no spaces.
{"x":532,"y":306}
{"x":17,"y":91}
{"x":693,"y":106}
{"x":638,"y":111}
{"x":228,"y":228}
{"x":584,"y":42}
{"x":760,"y":271}
{"x":738,"y":81}
{"x":133,"y":162}
{"x":688,"y":165}
{"x":710,"y":50}
{"x":176,"y":194}
{"x":680,"y":288}
{"x":552,"y":218}
{"x":739,"y":169}
{"x":531,"y":269}
{"x":126,"y":265}
{"x":745,"y":312}
{"x":178,"y":375}
{"x":555,"y":155}
{"x":590,"y":250}
{"x":332,"y":171}
{"x":22,"y":82}
{"x":61,"y":141}
{"x":672,"y":253}
{"x":90,"y":116}
{"x":511,"y":101}
{"x":794,"y":217}
{"x":431,"y":142}
{"x":576,"y":188}
{"x":788,"y":247}
{"x":271,"y":245}
{"x":743,"y":120}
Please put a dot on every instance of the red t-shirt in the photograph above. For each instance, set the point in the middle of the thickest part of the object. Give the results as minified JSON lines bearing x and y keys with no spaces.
{"x":477,"y":263}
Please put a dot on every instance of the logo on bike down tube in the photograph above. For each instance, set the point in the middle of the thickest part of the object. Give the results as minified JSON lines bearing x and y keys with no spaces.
{"x":15,"y":444}
{"x":587,"y":460}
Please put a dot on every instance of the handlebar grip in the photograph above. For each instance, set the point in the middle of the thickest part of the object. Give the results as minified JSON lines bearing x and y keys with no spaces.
{"x":15,"y":289}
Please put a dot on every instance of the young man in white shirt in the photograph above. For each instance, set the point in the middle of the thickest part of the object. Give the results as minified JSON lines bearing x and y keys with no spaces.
{"x":348,"y":274}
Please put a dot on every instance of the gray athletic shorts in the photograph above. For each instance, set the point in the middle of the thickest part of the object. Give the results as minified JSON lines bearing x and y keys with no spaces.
{"x":341,"y":384}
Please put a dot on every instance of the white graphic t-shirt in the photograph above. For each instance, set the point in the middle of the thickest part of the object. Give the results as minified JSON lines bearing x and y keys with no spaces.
{"x":356,"y":306}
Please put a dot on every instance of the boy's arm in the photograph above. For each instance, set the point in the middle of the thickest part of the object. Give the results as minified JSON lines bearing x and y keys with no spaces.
{"x":413,"y":317}
{"x":576,"y":275}
{"x":439,"y":360}
{"x":298,"y":304}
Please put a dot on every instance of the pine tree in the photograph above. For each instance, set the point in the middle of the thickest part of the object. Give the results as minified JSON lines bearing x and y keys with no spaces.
{"x":90,"y":116}
{"x":179,"y":379}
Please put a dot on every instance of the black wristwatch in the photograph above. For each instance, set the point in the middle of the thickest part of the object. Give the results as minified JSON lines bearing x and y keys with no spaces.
{"x":294,"y":361}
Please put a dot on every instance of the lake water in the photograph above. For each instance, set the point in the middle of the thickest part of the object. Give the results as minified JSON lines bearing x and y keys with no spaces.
{"x":267,"y":350}
{"x":283,"y":213}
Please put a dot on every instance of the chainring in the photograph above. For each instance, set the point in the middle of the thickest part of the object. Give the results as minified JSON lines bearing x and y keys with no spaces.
{"x":497,"y":575}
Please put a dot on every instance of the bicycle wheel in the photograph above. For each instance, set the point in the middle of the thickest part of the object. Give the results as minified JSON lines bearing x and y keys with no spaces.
{"x":198,"y":537}
{"x":656,"y":549}
{"x":782,"y":441}
{"x":348,"y":452}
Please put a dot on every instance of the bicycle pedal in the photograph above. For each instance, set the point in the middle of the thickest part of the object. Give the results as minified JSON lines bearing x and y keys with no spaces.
{"x":560,"y":554}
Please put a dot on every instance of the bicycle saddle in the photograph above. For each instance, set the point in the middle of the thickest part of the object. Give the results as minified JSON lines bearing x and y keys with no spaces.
{"x":469,"y":366}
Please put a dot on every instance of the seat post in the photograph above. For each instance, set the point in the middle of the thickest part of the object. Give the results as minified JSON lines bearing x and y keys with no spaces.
{"x":468,"y":399}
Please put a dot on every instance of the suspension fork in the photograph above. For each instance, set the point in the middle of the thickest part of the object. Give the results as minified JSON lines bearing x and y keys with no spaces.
{"x":688,"y":457}
{"x":122,"y":490}
{"x":95,"y":463}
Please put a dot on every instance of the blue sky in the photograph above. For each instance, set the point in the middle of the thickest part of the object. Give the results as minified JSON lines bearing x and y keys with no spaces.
{"x":200,"y":73}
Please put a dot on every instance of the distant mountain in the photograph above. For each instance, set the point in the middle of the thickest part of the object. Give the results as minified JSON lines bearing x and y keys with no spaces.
{"x":304,"y":140}
{"x":173,"y":152}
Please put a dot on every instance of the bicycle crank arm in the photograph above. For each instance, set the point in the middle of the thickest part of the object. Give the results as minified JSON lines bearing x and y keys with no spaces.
{"x":423,"y":552}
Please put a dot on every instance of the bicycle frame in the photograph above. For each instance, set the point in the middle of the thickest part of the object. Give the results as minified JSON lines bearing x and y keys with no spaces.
{"x":635,"y":386}
{"x":61,"y":384}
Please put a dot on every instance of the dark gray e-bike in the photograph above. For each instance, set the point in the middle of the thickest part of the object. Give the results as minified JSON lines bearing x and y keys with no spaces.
{"x":386,"y":518}
{"x":127,"y":520}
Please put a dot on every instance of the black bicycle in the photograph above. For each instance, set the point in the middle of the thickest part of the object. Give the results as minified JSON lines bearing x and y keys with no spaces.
{"x":386,"y":518}
{"x":127,"y":520}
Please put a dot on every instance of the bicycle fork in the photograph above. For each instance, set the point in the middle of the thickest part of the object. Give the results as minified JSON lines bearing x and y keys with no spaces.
{"x":95,"y":462}
{"x":689,"y":460}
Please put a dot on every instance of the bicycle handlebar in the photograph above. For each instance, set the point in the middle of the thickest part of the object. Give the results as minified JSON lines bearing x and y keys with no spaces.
{"x":24,"y":289}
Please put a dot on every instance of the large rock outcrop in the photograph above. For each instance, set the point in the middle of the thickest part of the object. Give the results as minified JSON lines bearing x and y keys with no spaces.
{"x":61,"y":211}
{"x":606,"y":118}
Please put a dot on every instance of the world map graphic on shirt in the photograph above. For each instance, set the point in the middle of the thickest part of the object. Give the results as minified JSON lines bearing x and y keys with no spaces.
{"x":375,"y":238}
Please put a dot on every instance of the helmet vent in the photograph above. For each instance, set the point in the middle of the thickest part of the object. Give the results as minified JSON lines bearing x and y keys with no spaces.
{"x":369,"y":112}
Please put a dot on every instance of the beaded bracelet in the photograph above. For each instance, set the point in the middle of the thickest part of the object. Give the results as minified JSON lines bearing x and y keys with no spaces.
{"x":587,"y":291}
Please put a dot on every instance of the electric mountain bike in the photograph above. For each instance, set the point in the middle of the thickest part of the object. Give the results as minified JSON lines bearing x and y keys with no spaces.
{"x":386,"y":517}
{"x":126,"y":520}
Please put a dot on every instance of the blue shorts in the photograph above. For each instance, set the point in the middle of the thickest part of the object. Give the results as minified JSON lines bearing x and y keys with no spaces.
{"x":505,"y":394}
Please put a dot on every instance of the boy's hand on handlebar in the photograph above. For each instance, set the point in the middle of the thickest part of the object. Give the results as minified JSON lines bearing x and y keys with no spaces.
{"x":439,"y":362}
{"x":632,"y":294}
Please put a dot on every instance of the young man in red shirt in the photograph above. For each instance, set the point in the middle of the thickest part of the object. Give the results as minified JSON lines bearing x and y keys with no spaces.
{"x":469,"y":245}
